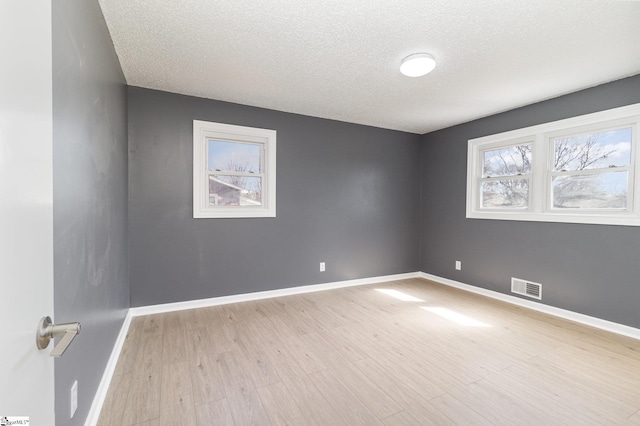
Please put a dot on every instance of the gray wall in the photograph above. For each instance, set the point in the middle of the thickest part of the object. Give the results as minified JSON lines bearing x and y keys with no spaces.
{"x":89,"y":197}
{"x":591,"y":269}
{"x":347,"y":195}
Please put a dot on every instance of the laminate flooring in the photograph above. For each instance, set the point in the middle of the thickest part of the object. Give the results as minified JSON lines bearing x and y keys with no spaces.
{"x":408,"y":352}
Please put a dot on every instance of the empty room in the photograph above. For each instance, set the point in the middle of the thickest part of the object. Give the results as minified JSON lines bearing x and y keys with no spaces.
{"x":320,"y":213}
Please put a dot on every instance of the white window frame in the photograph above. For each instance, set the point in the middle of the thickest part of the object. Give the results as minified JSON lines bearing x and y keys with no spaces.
{"x":205,"y":130}
{"x":480,"y":178}
{"x":540,"y":204}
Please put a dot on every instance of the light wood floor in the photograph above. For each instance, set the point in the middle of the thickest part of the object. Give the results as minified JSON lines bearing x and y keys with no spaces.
{"x":358,"y":356}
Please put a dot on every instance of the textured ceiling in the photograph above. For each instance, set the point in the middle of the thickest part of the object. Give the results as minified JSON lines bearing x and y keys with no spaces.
{"x":339,"y":59}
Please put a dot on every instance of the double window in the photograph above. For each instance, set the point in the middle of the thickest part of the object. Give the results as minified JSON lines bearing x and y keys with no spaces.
{"x":233,"y":171}
{"x":575,"y":170}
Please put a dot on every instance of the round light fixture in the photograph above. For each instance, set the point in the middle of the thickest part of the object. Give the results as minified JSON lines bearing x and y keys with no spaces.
{"x":417,"y":65}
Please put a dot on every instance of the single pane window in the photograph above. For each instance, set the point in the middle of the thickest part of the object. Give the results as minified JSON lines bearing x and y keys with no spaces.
{"x":598,"y":150}
{"x":224,"y":156}
{"x":234,"y":171}
{"x":508,"y":161}
{"x":507,"y":193}
{"x":592,"y":191}
{"x":227,"y":190}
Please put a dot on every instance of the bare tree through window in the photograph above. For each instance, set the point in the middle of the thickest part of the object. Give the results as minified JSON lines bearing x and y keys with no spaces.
{"x":235,"y":177}
{"x":589,"y":172}
{"x":506,"y":171}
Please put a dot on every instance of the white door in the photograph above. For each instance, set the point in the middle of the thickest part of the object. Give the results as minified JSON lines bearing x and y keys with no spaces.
{"x":26,"y":215}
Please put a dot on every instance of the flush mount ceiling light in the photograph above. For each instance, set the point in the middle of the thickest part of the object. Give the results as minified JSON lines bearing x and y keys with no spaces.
{"x":417,"y":65}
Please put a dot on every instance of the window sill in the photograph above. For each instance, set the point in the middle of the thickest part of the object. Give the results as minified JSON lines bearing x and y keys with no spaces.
{"x":233,"y":213}
{"x":620,"y":219}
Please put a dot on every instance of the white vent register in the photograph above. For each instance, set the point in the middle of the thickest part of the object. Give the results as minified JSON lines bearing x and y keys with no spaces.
{"x":526,"y":288}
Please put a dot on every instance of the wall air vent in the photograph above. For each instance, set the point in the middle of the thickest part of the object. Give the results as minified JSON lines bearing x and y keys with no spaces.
{"x":526,"y":288}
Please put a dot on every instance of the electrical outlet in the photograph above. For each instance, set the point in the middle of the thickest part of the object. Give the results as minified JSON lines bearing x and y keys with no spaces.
{"x":74,"y":398}
{"x":458,"y":265}
{"x":322,"y":267}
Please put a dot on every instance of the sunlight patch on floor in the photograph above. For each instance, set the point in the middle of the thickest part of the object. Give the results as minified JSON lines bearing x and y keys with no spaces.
{"x":455,"y":317}
{"x":399,"y":295}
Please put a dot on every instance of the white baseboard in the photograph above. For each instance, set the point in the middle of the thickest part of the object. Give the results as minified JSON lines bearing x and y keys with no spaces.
{"x":215,"y":301}
{"x":103,"y":387}
{"x":601,"y":324}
